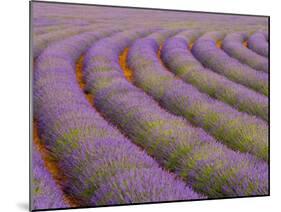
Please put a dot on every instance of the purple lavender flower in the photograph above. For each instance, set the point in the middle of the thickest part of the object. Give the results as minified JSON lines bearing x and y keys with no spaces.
{"x":45,"y":192}
{"x":217,"y":60}
{"x":41,"y":42}
{"x":164,"y":187}
{"x":258,"y":43}
{"x":135,"y":140}
{"x":233,"y":46}
{"x":88,"y":150}
{"x":191,"y":153}
{"x":236,"y":129}
{"x":181,"y":62}
{"x":47,"y":29}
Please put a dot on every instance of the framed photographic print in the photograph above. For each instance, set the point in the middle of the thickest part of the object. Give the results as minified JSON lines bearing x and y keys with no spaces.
{"x":138,"y":105}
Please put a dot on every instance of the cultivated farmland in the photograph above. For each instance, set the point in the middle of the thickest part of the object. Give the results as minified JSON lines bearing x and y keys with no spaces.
{"x":137,"y":106}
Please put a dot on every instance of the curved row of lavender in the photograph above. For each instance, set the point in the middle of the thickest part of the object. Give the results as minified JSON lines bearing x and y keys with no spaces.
{"x":233,"y":46}
{"x":209,"y":166}
{"x":40,"y":42}
{"x":93,"y":156}
{"x":179,"y":59}
{"x":45,"y":192}
{"x":217,"y":60}
{"x":47,"y":29}
{"x":258,"y":43}
{"x":237,"y":130}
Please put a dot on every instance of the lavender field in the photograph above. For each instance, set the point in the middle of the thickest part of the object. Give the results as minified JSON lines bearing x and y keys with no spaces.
{"x":138,"y":106}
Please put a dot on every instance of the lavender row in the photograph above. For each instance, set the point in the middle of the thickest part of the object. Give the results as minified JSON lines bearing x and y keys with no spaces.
{"x":209,"y":166}
{"x":41,"y":42}
{"x":45,"y":192}
{"x":258,"y":43}
{"x":89,"y":151}
{"x":182,"y":63}
{"x":233,"y":46}
{"x":236,"y":129}
{"x":217,"y":60}
{"x":38,"y":31}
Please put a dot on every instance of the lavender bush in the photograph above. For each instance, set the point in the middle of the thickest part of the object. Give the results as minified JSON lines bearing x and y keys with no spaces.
{"x":236,"y":129}
{"x":138,"y":106}
{"x":45,"y":192}
{"x":233,"y":45}
{"x":181,"y":62}
{"x":217,"y":60}
{"x":192,"y":154}
{"x":88,"y":150}
{"x":258,"y":43}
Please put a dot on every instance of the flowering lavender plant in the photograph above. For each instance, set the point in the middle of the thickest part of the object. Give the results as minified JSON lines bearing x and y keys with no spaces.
{"x":88,"y":150}
{"x":191,"y":153}
{"x":233,"y":45}
{"x":135,"y":106}
{"x":217,"y":60}
{"x":258,"y":43}
{"x":181,"y":62}
{"x":236,"y":129}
